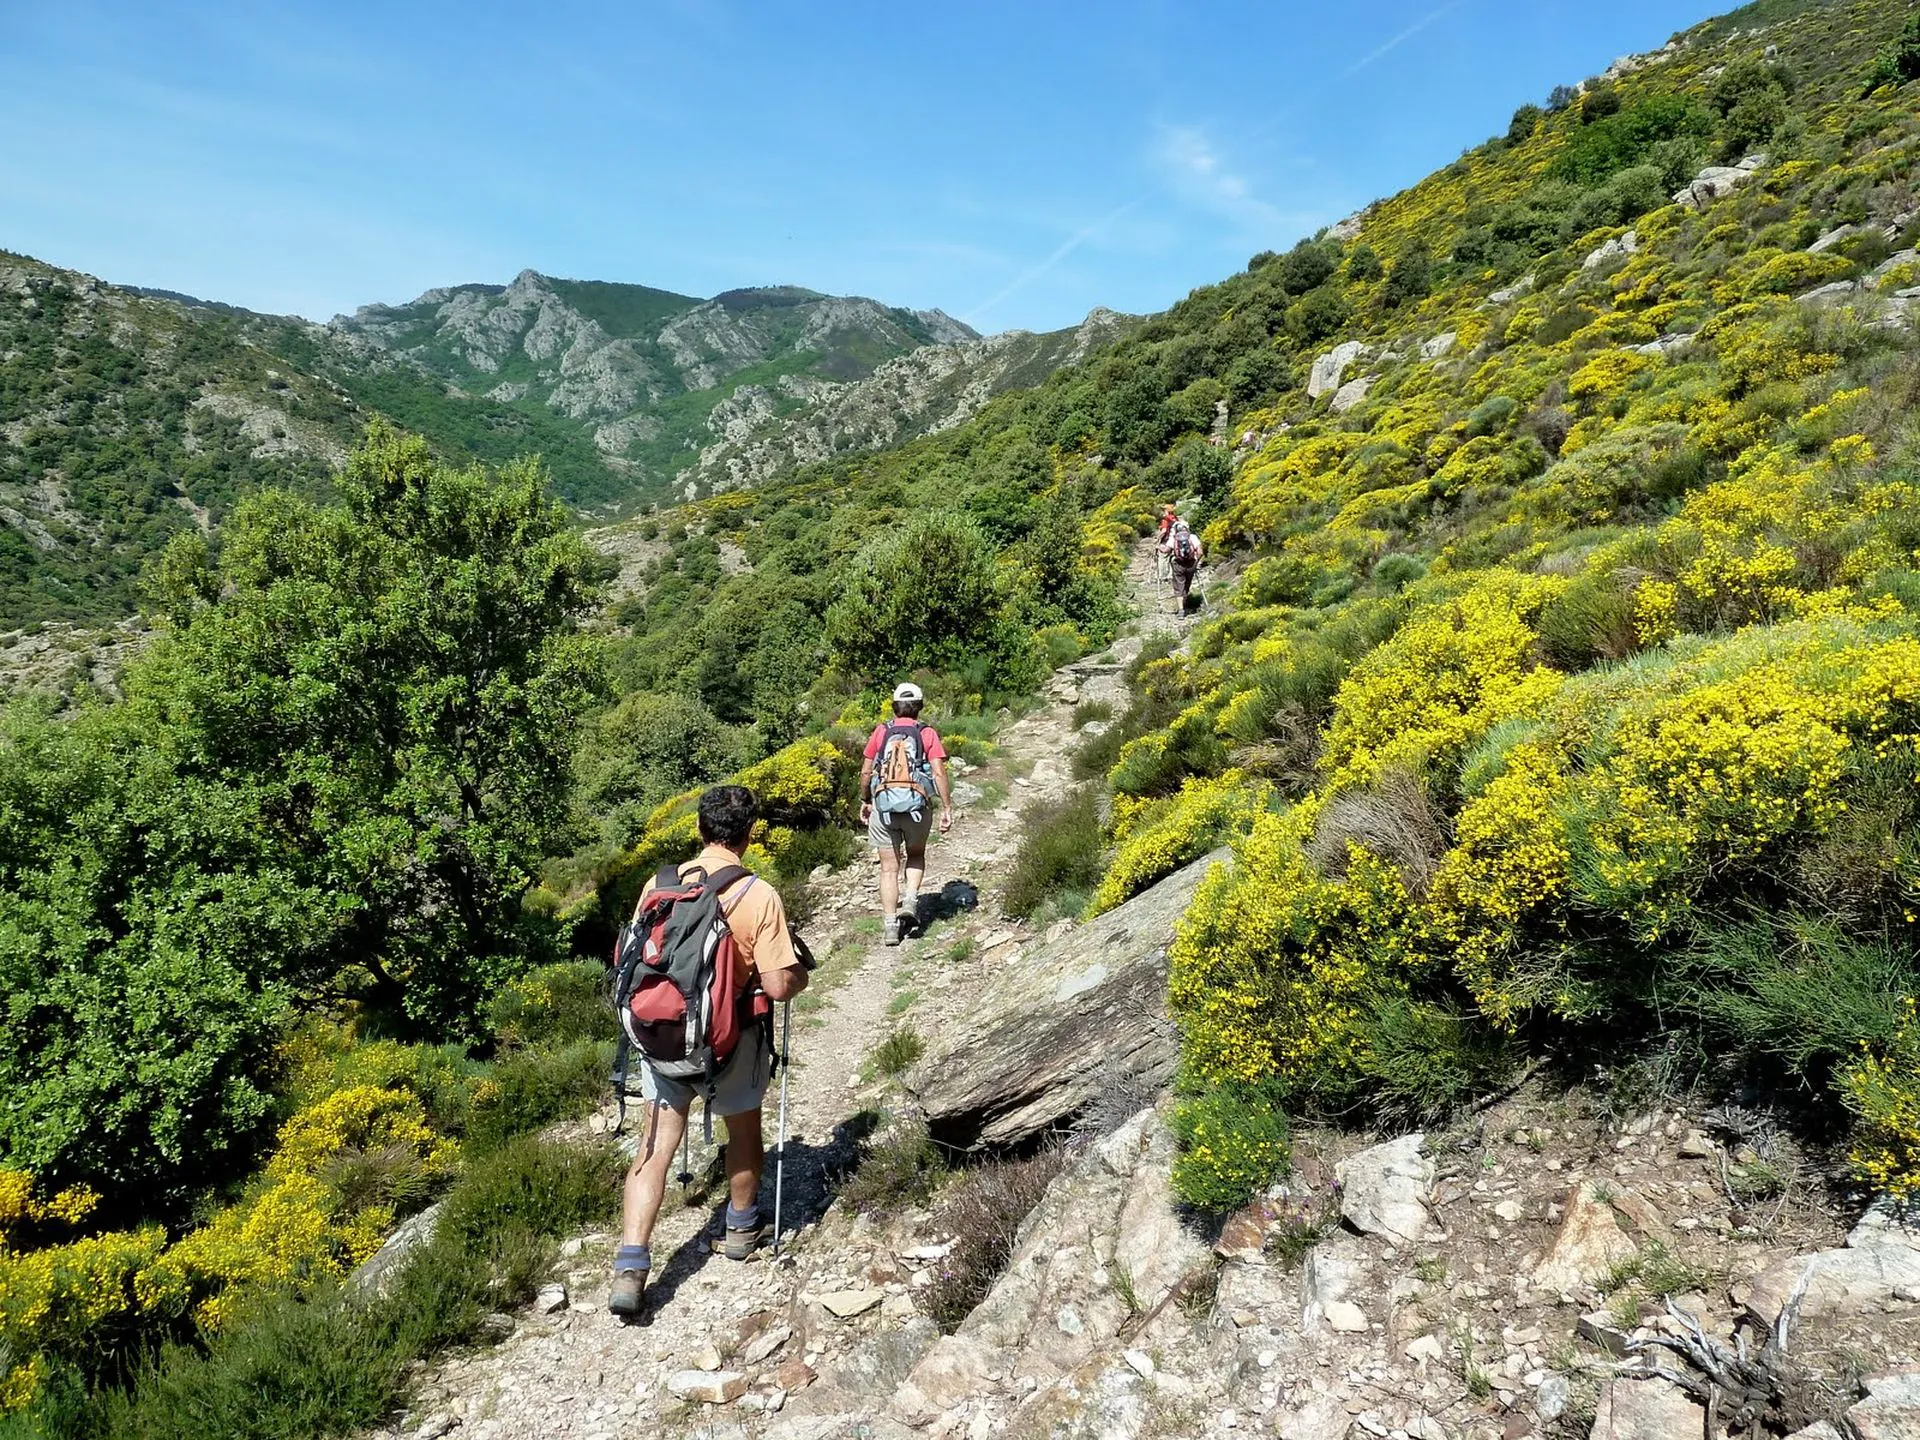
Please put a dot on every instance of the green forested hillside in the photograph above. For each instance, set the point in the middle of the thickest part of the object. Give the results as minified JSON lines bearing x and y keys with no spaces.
{"x":614,"y":383}
{"x":125,"y":421}
{"x":1572,"y":697}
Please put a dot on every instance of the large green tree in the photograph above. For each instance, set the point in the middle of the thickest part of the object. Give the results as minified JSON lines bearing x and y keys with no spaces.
{"x":331,"y":779}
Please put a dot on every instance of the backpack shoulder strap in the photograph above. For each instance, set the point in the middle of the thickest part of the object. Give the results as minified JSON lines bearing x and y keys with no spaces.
{"x":726,"y":877}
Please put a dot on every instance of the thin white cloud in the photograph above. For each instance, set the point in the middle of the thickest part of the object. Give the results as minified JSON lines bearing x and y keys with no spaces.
{"x":1197,"y":173}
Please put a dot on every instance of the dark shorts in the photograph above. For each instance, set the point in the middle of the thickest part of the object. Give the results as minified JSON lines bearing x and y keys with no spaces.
{"x":1183,"y":579}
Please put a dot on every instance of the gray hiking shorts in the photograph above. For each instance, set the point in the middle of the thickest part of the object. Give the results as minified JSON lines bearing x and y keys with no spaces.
{"x":739,"y":1087}
{"x":898,"y":831}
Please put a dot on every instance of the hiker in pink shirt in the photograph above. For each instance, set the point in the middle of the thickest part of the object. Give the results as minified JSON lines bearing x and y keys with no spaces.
{"x":904,"y":769}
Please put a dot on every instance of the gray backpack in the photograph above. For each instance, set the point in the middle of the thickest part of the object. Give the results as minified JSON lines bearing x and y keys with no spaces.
{"x":902,"y":773}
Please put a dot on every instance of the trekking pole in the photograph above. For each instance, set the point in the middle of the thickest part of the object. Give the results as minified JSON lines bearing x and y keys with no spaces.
{"x":780,"y":1145}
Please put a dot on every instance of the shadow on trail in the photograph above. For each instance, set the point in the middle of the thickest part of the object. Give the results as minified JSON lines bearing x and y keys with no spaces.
{"x":815,"y":1173}
{"x":954,"y":898}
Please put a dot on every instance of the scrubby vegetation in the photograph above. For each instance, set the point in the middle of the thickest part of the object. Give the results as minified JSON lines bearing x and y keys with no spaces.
{"x":1572,"y":691}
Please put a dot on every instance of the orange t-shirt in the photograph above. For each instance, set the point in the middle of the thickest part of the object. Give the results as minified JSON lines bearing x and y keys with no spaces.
{"x":755,"y":915}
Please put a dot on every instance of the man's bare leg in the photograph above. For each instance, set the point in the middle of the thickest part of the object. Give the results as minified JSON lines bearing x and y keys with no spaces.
{"x":646,"y":1183}
{"x":746,"y":1158}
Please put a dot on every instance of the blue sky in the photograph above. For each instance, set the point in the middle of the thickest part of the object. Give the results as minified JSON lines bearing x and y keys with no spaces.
{"x":1013,"y":164}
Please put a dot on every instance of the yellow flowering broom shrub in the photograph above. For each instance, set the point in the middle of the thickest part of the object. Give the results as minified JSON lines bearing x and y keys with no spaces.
{"x":1179,"y":829}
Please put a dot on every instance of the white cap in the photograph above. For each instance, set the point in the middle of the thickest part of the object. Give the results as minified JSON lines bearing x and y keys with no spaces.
{"x":907,"y":690}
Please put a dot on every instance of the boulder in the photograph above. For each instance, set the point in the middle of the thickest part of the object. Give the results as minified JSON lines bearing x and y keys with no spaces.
{"x":1651,"y":1409}
{"x":1384,"y":1189}
{"x":1618,"y":248}
{"x":1590,"y":1243}
{"x":1832,"y":238}
{"x":1891,"y":1410}
{"x":1439,"y":345}
{"x":1837,"y":292}
{"x":1522,"y":286}
{"x":1334,"y":1268}
{"x":1716,"y":182}
{"x":1328,"y":369}
{"x":378,"y":1270}
{"x":956,"y":1369}
{"x":1830,"y":1283}
{"x":721,"y":1387}
{"x":1077,"y":1018}
{"x":1351,"y":394}
{"x":1104,"y":1238}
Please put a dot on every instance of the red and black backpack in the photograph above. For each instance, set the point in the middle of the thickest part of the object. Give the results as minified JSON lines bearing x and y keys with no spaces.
{"x":676,"y":981}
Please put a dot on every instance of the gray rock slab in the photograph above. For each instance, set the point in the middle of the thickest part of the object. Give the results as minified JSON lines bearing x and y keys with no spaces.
{"x":1384,"y":1189}
{"x":1072,"y":1020}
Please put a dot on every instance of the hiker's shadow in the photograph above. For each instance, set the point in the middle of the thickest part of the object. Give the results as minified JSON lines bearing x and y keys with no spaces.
{"x":814,"y":1173}
{"x":956,"y":897}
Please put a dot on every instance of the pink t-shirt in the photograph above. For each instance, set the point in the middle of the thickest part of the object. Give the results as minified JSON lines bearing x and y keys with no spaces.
{"x":929,"y":741}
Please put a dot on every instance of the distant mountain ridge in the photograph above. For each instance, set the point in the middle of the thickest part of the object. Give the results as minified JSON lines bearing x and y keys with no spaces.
{"x":919,"y":393}
{"x":632,"y":371}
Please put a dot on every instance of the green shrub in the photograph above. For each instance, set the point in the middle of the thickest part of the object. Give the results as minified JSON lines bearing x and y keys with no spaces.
{"x":896,"y":1171}
{"x":895,"y":1054}
{"x":531,"y":1088}
{"x":921,"y":595}
{"x":1423,"y":1060}
{"x":1061,"y":849}
{"x":338,"y":1361}
{"x":1089,"y":712}
{"x":553,"y":1005}
{"x":1490,"y":415}
{"x":1233,"y":1144}
{"x":1796,"y":989}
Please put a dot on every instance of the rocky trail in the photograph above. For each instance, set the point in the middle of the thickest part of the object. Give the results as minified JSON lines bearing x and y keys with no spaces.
{"x":569,"y":1368}
{"x":1567,"y":1261}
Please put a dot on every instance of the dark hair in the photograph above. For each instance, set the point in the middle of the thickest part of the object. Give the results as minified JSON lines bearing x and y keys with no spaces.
{"x":907,"y":709}
{"x":726,"y":816}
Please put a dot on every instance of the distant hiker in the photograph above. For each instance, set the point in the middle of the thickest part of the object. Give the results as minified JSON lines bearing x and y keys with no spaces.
{"x":1183,"y":551}
{"x":905,"y":766}
{"x":691,"y":919}
{"x":1162,"y":564}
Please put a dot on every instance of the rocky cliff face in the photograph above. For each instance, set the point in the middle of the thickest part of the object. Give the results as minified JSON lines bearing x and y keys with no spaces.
{"x":760,"y":430}
{"x":648,"y":377}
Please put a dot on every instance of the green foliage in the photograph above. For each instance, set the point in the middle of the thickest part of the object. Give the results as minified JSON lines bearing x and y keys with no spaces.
{"x":1597,"y":150}
{"x":333,"y":775}
{"x":1423,"y":1060}
{"x":1526,"y":120}
{"x":1233,"y":1144}
{"x":337,"y":1362}
{"x":921,"y":596}
{"x":648,"y":748}
{"x":1060,"y":853}
{"x":1899,"y":62}
{"x":983,"y":1209}
{"x":897,"y":1170}
{"x":895,"y":1054}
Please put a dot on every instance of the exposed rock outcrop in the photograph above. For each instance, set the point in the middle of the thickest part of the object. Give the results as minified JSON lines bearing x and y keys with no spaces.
{"x":1075,"y":1017}
{"x":1329,"y":369}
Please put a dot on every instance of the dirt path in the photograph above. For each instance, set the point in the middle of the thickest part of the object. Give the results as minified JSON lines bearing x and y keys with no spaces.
{"x":568,"y":1368}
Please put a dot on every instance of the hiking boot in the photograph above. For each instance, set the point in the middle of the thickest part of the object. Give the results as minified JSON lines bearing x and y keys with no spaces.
{"x":624,"y":1299}
{"x":890,"y":932}
{"x":740,"y":1244}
